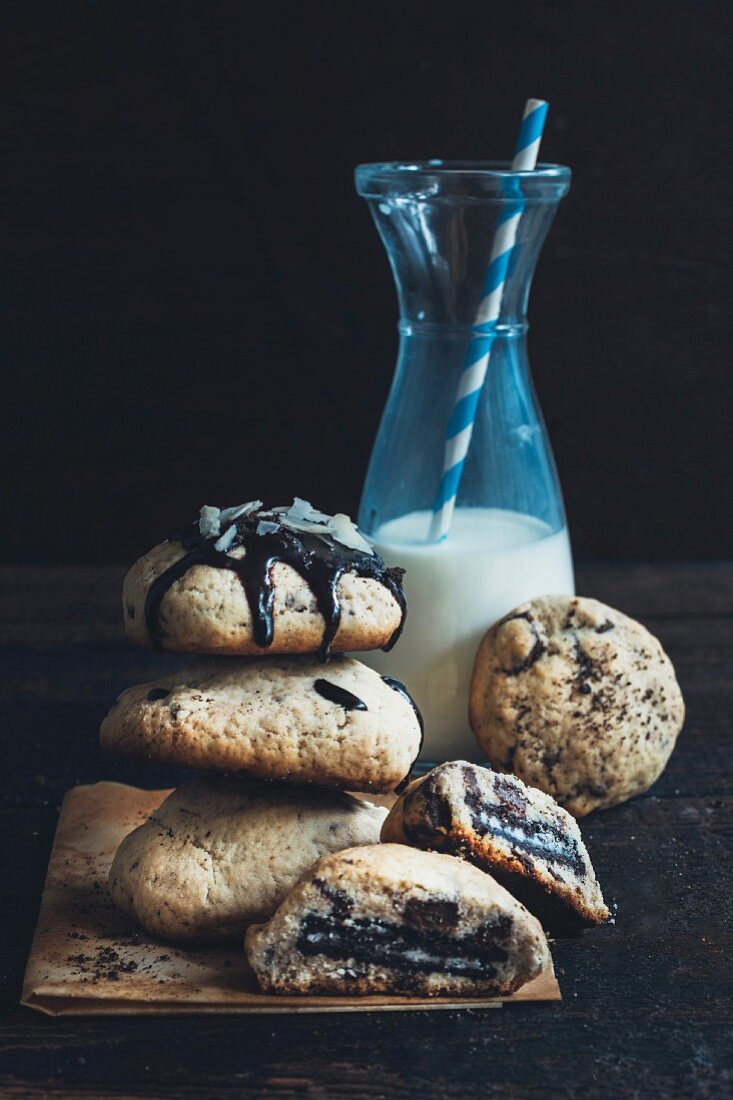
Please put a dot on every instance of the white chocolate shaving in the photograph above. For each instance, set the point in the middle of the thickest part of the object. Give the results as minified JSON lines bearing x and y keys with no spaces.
{"x":345,"y":531}
{"x":308,"y":528}
{"x":303,"y":511}
{"x":226,"y":539}
{"x":230,"y":514}
{"x":299,"y":516}
{"x":209,"y":521}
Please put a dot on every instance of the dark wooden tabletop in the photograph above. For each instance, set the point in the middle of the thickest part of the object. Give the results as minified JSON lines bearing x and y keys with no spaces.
{"x":647,"y":1001}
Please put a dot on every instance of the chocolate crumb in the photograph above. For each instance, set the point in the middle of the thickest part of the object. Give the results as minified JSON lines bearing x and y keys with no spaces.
{"x":105,"y":965}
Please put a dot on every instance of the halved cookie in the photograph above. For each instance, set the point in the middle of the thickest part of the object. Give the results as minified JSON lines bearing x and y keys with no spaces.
{"x":516,"y":833}
{"x":336,"y":725}
{"x":220,"y":853}
{"x":391,"y":919}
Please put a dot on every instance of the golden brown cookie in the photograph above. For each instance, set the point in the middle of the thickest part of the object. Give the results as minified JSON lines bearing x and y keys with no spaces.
{"x":288,"y":718}
{"x":577,"y":699}
{"x":221,"y":853}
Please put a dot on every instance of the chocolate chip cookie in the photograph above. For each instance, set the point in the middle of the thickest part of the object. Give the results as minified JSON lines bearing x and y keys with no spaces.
{"x":288,"y":718}
{"x":577,"y":699}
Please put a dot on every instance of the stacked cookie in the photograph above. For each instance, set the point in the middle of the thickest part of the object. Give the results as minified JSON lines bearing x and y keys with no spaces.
{"x":278,"y":721}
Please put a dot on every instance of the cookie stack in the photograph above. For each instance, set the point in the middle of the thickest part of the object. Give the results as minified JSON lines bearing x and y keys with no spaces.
{"x":441,"y":896}
{"x":278,"y":721}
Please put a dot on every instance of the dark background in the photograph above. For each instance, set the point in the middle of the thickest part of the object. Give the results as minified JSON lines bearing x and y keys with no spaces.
{"x":196,"y":306}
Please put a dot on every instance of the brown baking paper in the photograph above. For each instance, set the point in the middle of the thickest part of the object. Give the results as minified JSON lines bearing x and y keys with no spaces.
{"x":88,"y":958}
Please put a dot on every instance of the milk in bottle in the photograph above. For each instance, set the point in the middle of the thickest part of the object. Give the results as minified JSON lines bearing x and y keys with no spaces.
{"x":492,"y":560}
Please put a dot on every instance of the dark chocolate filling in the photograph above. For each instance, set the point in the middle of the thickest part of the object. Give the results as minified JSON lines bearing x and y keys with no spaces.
{"x":339,"y":695}
{"x":438,"y":811}
{"x":508,"y":813}
{"x":554,"y":910}
{"x":431,"y":914}
{"x":341,"y":903}
{"x":405,"y":948}
{"x":320,"y":562}
{"x":510,"y":817}
{"x":566,"y":852}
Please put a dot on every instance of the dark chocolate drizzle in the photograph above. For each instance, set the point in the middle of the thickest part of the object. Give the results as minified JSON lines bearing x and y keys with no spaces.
{"x":157,"y":693}
{"x":400,"y":688}
{"x":338,"y":695}
{"x":320,"y":562}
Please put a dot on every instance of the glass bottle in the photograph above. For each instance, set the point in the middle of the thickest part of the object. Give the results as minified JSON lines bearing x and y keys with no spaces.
{"x":508,"y":537}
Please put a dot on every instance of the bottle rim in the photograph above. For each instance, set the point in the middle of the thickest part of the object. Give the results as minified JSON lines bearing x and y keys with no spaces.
{"x":475,"y":179}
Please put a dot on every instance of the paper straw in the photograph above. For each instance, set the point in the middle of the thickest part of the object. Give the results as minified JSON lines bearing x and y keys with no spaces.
{"x":460,"y":425}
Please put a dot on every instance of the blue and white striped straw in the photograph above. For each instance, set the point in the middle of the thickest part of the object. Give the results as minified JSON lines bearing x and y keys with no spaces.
{"x":460,"y":425}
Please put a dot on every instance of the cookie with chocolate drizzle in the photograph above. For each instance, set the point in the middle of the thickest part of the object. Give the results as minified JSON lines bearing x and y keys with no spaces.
{"x":516,"y":833}
{"x":286,"y":718}
{"x":391,"y":919}
{"x":250,"y":580}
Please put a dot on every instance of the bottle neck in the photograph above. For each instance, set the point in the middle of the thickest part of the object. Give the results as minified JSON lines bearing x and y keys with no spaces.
{"x":462,"y":240}
{"x":430,"y":330}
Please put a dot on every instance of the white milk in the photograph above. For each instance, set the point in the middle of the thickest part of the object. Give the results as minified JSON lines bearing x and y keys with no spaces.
{"x":491,"y":561}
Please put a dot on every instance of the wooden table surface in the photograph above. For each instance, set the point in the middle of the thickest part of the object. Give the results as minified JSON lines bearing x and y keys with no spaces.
{"x":647,"y":1001}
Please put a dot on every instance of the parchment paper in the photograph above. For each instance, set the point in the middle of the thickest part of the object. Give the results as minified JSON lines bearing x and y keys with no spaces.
{"x":87,"y":958}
